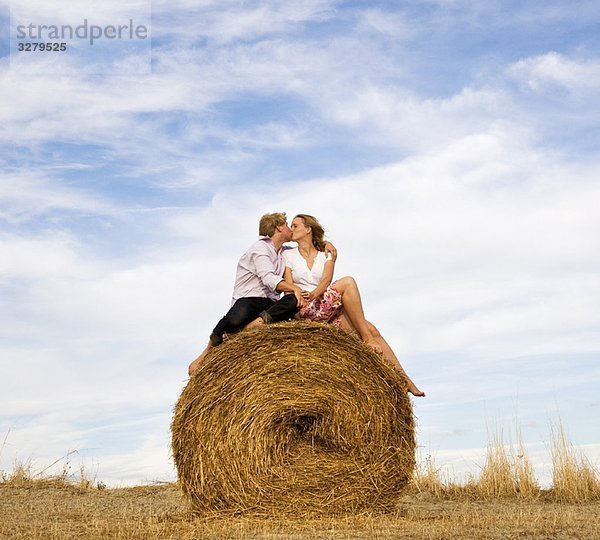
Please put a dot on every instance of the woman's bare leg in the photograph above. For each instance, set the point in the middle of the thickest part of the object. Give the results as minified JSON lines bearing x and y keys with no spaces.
{"x":389,"y":354}
{"x":385,"y":349}
{"x":353,"y":306}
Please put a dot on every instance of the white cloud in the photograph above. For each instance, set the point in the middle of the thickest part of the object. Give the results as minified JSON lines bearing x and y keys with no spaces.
{"x":149,"y":462}
{"x":26,"y":194}
{"x":38,"y":257}
{"x":400,"y":119}
{"x":539,"y":72}
{"x":75,"y":11}
{"x":380,"y":107}
{"x":225,"y":22}
{"x":394,"y":24}
{"x":494,"y":14}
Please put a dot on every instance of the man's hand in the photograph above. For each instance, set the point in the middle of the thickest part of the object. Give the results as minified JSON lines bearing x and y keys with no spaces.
{"x":330,"y":250}
{"x":299,"y":293}
{"x":290,"y":288}
{"x":308,"y":296}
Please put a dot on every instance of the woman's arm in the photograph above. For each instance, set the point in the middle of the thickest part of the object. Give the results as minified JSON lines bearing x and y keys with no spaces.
{"x":287,"y":275}
{"x":325,"y":280}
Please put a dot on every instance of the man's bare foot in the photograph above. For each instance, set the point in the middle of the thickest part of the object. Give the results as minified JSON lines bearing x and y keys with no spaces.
{"x":193,"y":367}
{"x":255,"y":323}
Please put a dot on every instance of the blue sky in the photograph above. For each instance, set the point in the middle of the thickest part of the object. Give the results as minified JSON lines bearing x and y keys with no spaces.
{"x":450,"y":148}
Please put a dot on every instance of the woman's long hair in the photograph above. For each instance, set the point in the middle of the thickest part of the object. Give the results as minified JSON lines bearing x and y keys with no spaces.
{"x":318,"y":233}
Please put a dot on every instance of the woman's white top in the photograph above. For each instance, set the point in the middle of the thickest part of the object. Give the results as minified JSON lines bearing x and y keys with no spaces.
{"x":306,"y":279}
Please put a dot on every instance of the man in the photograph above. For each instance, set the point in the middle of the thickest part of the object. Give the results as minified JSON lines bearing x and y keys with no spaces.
{"x":259,"y":284}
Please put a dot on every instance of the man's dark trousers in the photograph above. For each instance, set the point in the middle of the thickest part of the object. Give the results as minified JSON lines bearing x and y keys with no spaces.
{"x":245,"y":310}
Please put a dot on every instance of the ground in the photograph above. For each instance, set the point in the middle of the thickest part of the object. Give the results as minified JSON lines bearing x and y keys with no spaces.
{"x":55,"y":510}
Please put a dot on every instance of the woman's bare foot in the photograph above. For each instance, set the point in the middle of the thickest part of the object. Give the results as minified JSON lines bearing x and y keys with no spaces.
{"x":373,"y":343}
{"x":412,"y":389}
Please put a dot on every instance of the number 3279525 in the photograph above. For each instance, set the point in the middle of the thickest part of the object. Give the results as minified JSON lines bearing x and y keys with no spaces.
{"x":30,"y":47}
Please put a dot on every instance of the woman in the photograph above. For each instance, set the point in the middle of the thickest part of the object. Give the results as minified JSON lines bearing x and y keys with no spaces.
{"x":337,"y":303}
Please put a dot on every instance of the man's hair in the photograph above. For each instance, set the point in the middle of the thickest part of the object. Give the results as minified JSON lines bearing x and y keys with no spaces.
{"x":269,"y":222}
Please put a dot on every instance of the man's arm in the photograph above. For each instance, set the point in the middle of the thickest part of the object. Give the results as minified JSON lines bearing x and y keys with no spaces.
{"x":265,"y":270}
{"x":287,"y":286}
{"x":330,"y":249}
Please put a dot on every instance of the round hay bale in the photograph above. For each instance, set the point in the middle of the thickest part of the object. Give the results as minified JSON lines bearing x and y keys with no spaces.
{"x":293,"y":418}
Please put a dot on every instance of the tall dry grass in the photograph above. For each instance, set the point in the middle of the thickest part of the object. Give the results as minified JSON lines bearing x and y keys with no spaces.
{"x":574,"y":477}
{"x":427,"y":476}
{"x":508,"y":473}
{"x":24,"y":475}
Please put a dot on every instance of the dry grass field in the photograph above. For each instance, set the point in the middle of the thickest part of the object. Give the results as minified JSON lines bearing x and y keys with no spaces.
{"x":504,"y":502}
{"x":55,"y":510}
